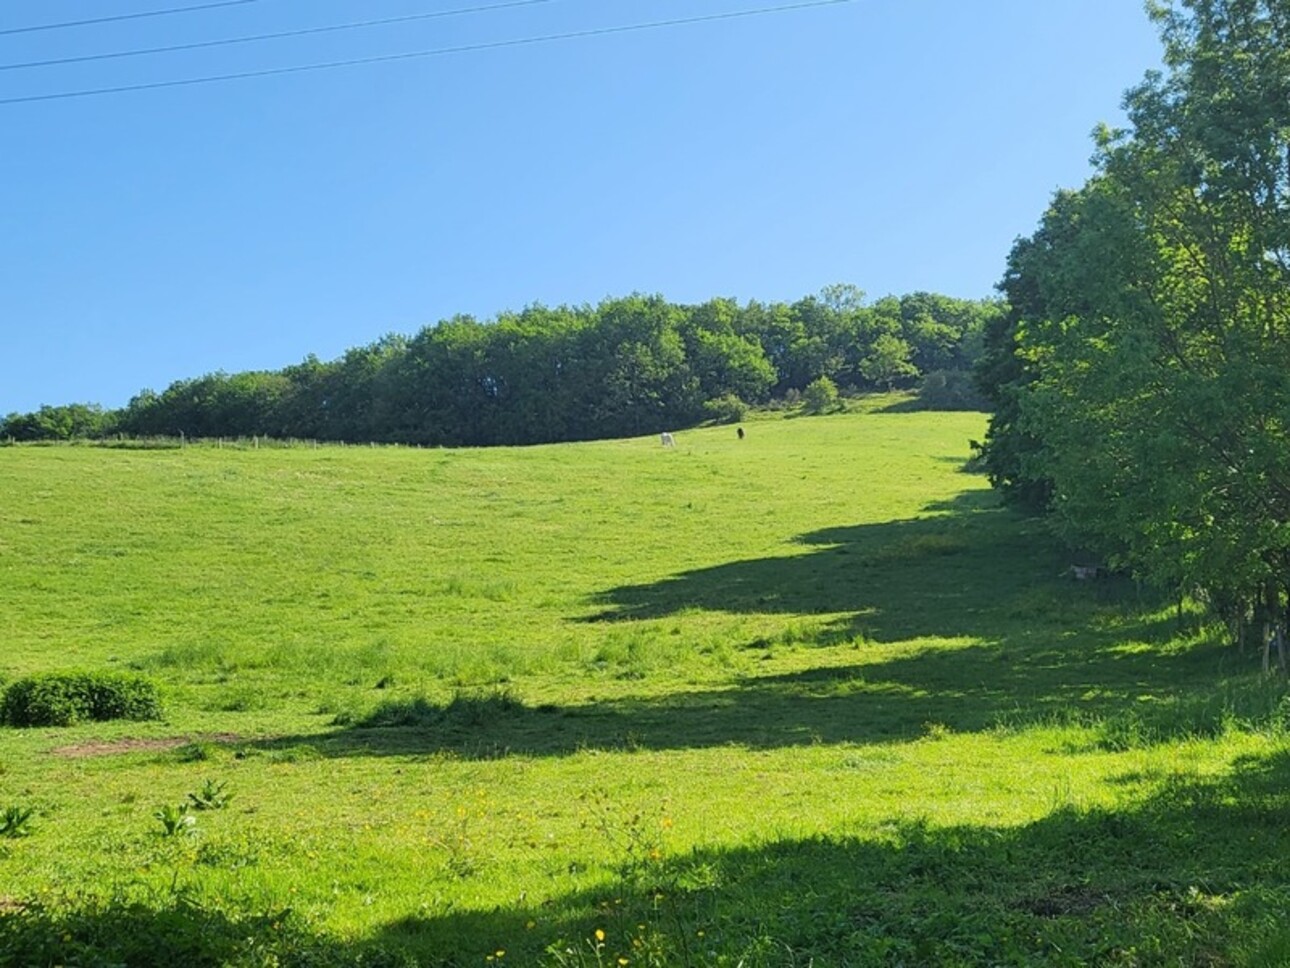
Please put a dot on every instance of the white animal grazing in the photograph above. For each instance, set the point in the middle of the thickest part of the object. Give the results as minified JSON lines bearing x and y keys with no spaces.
{"x":668,"y":441}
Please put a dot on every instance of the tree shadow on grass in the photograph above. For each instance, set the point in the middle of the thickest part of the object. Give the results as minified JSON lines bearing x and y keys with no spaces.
{"x":1130,"y":699}
{"x":1020,"y":644}
{"x":163,"y":930}
{"x":969,"y":568}
{"x":1192,"y":872}
{"x":1193,"y":875}
{"x":1183,"y":878}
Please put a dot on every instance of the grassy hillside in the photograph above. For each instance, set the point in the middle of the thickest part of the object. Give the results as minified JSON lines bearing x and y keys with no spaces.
{"x":807,"y":696}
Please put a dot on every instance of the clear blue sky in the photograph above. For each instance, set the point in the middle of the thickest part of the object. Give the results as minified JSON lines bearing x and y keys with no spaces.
{"x":157,"y":235}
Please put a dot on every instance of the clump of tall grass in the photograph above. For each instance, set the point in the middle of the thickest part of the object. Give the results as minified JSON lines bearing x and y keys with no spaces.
{"x":1252,"y":705}
{"x":463,"y":710}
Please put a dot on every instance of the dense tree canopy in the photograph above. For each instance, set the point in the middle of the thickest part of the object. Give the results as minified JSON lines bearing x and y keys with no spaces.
{"x":628,"y":366}
{"x":1141,"y":377}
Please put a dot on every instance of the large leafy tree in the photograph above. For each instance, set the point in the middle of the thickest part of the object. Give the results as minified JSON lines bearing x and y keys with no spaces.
{"x":887,"y":362}
{"x":1143,"y":374}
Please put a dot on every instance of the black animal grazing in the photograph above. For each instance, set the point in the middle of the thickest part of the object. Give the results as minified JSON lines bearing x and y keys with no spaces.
{"x":740,"y":432}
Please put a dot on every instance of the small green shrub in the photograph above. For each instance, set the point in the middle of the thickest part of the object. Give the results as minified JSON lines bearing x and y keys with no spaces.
{"x":67,"y":698}
{"x":197,"y":752}
{"x":211,"y":796}
{"x":820,"y":396}
{"x":15,"y":821}
{"x":176,"y":821}
{"x":725,"y":409}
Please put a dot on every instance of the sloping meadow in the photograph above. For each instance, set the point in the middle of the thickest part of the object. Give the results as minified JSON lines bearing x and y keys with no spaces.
{"x":809,"y":696}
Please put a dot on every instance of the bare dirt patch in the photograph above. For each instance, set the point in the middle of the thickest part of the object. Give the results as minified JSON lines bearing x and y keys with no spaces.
{"x":133,"y":745}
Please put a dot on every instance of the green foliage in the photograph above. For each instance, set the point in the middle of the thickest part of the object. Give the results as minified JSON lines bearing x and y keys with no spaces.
{"x":726,"y":409}
{"x":950,"y":390}
{"x":463,"y":711}
{"x":888,"y":361}
{"x":1009,"y":454}
{"x":70,"y":422}
{"x":176,"y":820}
{"x":15,"y":821}
{"x":1140,"y":382}
{"x":210,"y":796}
{"x":625,"y":367}
{"x":68,"y":698}
{"x":820,"y":396}
{"x":198,"y":752}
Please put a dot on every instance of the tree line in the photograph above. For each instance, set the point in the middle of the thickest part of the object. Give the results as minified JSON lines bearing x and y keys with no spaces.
{"x":1141,"y":375}
{"x":627,"y":366}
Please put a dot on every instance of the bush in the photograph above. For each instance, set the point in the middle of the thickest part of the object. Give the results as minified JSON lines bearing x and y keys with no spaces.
{"x":820,"y":395}
{"x":67,"y":698}
{"x":725,"y":409}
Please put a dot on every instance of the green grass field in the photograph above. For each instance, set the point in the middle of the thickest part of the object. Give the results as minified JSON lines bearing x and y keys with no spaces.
{"x":807,"y":698}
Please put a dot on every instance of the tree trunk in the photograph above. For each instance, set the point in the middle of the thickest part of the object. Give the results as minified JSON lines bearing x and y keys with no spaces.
{"x":1272,"y":624}
{"x":1281,"y":634}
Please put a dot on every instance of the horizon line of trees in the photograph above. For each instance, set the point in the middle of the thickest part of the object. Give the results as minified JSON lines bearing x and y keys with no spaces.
{"x":1141,"y":376}
{"x":625,"y":367}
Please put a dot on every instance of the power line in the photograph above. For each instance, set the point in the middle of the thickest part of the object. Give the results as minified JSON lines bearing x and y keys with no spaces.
{"x":436,"y":52}
{"x":301,"y":32}
{"x":124,"y":16}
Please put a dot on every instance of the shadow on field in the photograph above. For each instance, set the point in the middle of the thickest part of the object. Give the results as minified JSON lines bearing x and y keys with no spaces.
{"x":1194,"y":875}
{"x":163,"y":929}
{"x":1026,"y":646}
{"x":966,"y":689}
{"x":969,"y":569}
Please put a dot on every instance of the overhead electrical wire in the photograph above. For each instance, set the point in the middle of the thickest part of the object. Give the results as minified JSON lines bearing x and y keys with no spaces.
{"x":170,"y":11}
{"x":300,"y":32}
{"x":417,"y":54}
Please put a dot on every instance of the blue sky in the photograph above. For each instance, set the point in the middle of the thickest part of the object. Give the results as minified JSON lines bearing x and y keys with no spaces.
{"x":152,"y":236}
